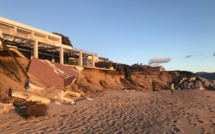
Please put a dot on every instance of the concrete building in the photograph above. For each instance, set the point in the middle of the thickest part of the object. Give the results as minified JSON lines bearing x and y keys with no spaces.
{"x":137,"y":67}
{"x":41,"y":44}
{"x":154,"y":69}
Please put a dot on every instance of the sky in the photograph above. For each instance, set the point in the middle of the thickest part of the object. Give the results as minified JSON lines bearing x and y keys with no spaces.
{"x":175,"y":34}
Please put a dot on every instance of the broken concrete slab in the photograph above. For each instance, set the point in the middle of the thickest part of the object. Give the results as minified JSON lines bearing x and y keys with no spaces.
{"x":66,"y":100}
{"x":33,"y":87}
{"x":73,"y":94}
{"x":29,"y":96}
{"x":61,"y":96}
{"x":79,"y":68}
{"x":53,"y":74}
{"x":5,"y":108}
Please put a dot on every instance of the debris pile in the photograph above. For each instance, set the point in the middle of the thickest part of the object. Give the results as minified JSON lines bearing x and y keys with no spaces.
{"x":28,"y":96}
{"x":193,"y":82}
{"x":47,"y":82}
{"x":5,"y":108}
{"x":67,"y":97}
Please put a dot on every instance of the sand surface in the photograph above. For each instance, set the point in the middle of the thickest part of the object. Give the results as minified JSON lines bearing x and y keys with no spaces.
{"x":124,"y":112}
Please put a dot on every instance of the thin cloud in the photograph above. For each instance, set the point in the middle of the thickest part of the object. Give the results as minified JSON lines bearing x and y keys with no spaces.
{"x":188,"y":56}
{"x":214,"y":54}
{"x":156,"y":60}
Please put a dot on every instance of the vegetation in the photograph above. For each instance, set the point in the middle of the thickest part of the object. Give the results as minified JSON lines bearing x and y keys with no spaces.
{"x":185,"y":73}
{"x":103,"y":58}
{"x":65,"y":39}
{"x":126,"y":69}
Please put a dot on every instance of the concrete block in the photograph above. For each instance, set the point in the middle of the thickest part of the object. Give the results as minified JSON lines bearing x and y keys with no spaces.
{"x":29,"y":96}
{"x":53,"y":74}
{"x":5,"y":108}
{"x":74,"y":94}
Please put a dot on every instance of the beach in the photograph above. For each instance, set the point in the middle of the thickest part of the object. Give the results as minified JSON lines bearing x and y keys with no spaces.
{"x":124,"y":111}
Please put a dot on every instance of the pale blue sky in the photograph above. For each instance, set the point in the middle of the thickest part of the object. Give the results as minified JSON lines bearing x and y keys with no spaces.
{"x":129,"y":31}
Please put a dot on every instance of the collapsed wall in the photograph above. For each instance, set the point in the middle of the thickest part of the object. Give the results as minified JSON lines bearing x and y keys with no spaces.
{"x":53,"y":74}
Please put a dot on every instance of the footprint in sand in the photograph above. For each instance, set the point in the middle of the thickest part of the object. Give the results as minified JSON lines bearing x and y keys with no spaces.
{"x":146,"y":132}
{"x":177,"y":130}
{"x":168,"y":124}
{"x":194,"y":124}
{"x":174,"y":121}
{"x":196,"y":115}
{"x":200,"y":121}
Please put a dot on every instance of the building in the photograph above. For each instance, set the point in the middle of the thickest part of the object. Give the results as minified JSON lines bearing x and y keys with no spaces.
{"x":137,"y":67}
{"x":154,"y":69}
{"x":41,"y":44}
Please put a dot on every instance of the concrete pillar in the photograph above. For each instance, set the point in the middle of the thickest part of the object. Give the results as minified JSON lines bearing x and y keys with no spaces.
{"x":36,"y":48}
{"x":60,"y":41}
{"x":15,"y":30}
{"x":93,"y":60}
{"x":0,"y":37}
{"x":80,"y":58}
{"x":46,"y":39}
{"x":61,"y":55}
{"x":32,"y":35}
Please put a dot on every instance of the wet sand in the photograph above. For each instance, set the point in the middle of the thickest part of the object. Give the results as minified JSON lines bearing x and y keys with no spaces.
{"x":124,"y":112}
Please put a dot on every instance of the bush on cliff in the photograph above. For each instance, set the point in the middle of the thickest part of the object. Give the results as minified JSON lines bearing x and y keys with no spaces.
{"x":65,"y":39}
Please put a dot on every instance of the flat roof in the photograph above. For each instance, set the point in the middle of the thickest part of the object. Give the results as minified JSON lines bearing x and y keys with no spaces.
{"x":14,"y":23}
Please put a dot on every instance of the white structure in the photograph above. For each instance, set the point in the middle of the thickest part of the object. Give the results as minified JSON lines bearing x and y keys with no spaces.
{"x":38,"y":36}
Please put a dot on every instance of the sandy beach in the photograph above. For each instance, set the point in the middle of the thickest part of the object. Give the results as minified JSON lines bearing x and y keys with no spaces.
{"x":115,"y":111}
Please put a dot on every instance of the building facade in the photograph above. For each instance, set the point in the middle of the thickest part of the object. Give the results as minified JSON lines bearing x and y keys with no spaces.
{"x":44,"y":43}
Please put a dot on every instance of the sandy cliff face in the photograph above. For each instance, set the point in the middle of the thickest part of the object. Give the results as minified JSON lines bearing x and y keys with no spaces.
{"x":144,"y":79}
{"x":10,"y":73}
{"x":91,"y":80}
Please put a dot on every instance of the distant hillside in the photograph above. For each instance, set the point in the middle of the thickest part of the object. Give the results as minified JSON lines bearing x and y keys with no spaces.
{"x":210,"y":76}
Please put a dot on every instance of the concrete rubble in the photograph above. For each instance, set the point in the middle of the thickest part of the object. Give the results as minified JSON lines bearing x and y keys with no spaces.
{"x":29,"y":96}
{"x":62,"y":96}
{"x":5,"y":108}
{"x":55,"y":94}
{"x":190,"y":83}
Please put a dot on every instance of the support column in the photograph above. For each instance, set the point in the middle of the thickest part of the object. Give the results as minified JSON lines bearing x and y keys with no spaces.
{"x":93,"y":60}
{"x":46,"y":38}
{"x":80,"y":58}
{"x":36,"y":48}
{"x":0,"y":37}
{"x":15,"y":31}
{"x":32,"y":35}
{"x":61,"y":55}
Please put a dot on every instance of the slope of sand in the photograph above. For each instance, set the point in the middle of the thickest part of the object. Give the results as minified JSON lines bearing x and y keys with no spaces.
{"x":124,"y":112}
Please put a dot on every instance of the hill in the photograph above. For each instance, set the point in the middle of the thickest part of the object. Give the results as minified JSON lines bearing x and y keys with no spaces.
{"x":210,"y":76}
